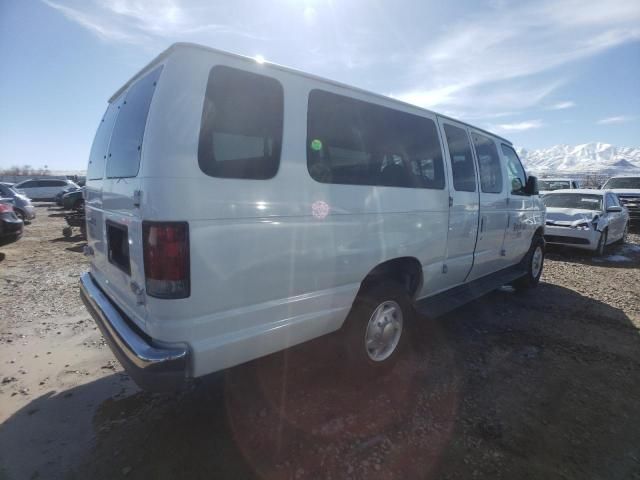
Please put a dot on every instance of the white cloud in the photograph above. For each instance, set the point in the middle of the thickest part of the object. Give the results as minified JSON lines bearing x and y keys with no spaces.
{"x":520,"y":42}
{"x":310,"y":14}
{"x":99,"y":28}
{"x":616,"y":120}
{"x":140,"y":21}
{"x":518,"y":126}
{"x":561,"y":105}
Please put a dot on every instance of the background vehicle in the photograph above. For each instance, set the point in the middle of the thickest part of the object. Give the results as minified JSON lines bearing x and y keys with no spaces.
{"x":73,"y":200}
{"x":628,"y":191}
{"x":60,"y":194}
{"x":10,"y":225}
{"x":550,"y":184}
{"x":22,"y":206}
{"x":348,"y":214}
{"x":588,"y":219}
{"x":43,"y":189}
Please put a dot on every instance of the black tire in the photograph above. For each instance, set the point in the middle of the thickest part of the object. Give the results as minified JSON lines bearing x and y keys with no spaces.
{"x":602,"y":244}
{"x":625,"y":233}
{"x":78,"y":204}
{"x":20,"y":214}
{"x":67,"y":232}
{"x":532,"y":277}
{"x":387,"y":295}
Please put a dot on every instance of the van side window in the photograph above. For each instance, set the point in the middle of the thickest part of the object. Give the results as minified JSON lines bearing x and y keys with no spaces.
{"x":125,"y":147}
{"x":98,"y":153}
{"x":241,"y":130}
{"x":464,"y":173}
{"x":515,"y":170}
{"x":489,"y":164}
{"x":354,"y":142}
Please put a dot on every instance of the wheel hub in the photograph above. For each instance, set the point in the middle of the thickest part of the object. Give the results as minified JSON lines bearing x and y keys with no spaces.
{"x":383,"y":331}
{"x":536,"y":262}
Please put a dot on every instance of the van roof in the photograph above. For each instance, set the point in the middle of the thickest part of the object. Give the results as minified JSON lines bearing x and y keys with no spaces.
{"x":187,"y":45}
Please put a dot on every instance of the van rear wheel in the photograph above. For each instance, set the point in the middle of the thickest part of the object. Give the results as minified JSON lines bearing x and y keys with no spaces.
{"x":533,"y":262}
{"x":376,"y":329}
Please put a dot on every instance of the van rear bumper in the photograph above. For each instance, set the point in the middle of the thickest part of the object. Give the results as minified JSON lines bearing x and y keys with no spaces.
{"x":152,"y":367}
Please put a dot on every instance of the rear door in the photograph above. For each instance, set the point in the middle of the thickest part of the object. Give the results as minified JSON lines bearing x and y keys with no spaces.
{"x":517,"y":237}
{"x":463,"y":200}
{"x":30,"y":188}
{"x":49,"y":188}
{"x":489,"y":253}
{"x":113,"y":202}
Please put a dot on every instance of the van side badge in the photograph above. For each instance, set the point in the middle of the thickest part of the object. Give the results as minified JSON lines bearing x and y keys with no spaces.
{"x":137,"y":197}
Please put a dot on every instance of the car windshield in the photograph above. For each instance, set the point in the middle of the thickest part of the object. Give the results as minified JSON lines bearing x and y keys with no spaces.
{"x":6,"y":191}
{"x":553,"y":184}
{"x":625,"y":182}
{"x":573,"y":200}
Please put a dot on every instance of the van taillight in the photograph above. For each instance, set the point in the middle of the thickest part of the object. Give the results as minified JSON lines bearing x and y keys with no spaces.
{"x":166,"y":259}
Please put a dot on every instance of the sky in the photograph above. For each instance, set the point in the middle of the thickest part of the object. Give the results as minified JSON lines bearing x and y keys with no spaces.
{"x":540,"y":73}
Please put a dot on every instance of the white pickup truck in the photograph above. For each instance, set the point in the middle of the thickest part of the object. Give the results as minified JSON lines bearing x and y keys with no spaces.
{"x":627,"y":188}
{"x":236,"y":208}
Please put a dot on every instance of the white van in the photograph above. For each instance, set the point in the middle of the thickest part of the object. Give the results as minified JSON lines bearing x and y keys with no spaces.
{"x":236,"y":208}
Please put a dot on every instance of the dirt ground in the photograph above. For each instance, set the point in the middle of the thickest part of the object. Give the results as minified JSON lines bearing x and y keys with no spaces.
{"x":544,"y":385}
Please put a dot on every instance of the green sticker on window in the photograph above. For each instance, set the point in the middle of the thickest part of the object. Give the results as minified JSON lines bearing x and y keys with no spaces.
{"x":316,"y":145}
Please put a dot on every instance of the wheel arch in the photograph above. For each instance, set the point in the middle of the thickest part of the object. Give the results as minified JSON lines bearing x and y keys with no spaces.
{"x":407,"y":271}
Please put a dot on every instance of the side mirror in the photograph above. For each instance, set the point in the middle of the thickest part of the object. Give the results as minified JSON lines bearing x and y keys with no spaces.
{"x":531,"y":188}
{"x":614,"y":209}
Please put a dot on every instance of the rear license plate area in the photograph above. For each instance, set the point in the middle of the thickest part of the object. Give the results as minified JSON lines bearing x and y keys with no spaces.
{"x":118,"y":246}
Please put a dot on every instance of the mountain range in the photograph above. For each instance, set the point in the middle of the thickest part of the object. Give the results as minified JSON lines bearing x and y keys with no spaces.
{"x":588,"y":157}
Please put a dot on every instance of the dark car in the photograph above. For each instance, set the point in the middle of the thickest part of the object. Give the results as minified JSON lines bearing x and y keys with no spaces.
{"x":59,"y":195}
{"x":73,"y":200}
{"x":10,"y":225}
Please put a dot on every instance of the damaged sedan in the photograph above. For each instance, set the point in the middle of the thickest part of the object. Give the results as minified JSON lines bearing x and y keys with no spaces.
{"x":587,"y":219}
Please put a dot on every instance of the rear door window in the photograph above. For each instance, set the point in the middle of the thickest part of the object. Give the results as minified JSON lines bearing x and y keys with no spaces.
{"x":464,"y":174}
{"x":123,"y":159}
{"x":52,"y":183}
{"x":241,"y":129}
{"x":29,"y":184}
{"x":488,"y":163}
{"x":98,"y":154}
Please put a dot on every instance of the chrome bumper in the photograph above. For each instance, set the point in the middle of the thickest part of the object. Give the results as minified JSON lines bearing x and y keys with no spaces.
{"x":152,"y":367}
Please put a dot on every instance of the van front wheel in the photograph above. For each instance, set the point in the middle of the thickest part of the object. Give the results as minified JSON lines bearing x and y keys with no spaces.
{"x":533,"y":264}
{"x":376,"y":329}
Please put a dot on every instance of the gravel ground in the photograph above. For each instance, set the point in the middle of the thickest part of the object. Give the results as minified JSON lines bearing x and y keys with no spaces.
{"x":541,"y":385}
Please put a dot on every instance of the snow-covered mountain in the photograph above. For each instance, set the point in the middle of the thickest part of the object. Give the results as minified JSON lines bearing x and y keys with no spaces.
{"x":589,"y":157}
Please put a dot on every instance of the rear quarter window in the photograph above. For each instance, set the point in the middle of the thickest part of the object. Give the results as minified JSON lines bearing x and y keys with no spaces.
{"x":241,"y":129}
{"x":123,"y":159}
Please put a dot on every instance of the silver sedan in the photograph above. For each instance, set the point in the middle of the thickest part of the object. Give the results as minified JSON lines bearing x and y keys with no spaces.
{"x":587,"y":219}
